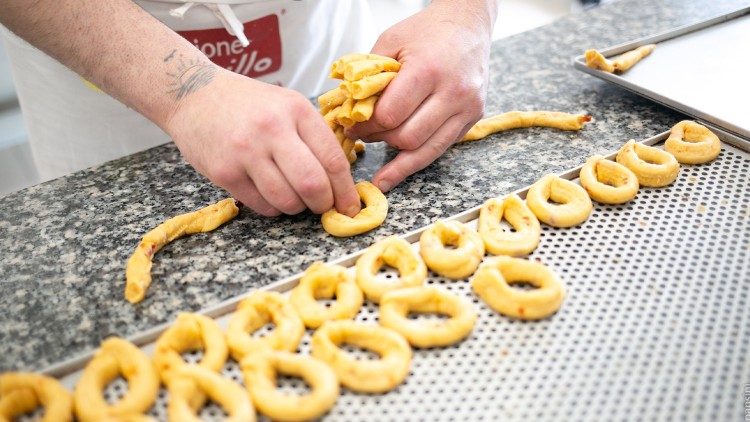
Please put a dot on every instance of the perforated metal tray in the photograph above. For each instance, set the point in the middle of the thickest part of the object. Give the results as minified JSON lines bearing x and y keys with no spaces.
{"x":656,"y":323}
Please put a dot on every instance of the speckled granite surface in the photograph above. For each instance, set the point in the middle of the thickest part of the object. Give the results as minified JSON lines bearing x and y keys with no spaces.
{"x":64,"y":244}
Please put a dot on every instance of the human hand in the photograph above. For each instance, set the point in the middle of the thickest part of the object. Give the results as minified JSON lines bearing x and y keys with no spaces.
{"x":266,"y":145}
{"x":440,"y":91}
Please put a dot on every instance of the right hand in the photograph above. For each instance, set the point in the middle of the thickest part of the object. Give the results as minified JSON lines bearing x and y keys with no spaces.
{"x":268,"y":146}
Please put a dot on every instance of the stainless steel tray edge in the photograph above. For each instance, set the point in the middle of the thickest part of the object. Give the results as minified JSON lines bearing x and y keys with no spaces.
{"x":739,"y":138}
{"x":76,"y":363}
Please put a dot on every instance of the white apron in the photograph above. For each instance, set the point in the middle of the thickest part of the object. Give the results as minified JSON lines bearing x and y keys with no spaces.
{"x":73,"y":126}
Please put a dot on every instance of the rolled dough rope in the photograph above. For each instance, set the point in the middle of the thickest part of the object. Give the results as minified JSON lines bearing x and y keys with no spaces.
{"x":356,"y":70}
{"x":344,"y":117}
{"x":337,"y":68}
{"x":138,"y":271}
{"x":619,"y":64}
{"x":331,"y":99}
{"x":368,"y":86}
{"x":522,"y":119}
{"x":362,"y":110}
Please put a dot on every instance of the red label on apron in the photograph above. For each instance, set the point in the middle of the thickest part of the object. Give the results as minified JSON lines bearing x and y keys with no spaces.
{"x":261,"y":57}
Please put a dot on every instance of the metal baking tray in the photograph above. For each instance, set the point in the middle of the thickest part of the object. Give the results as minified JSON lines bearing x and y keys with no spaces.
{"x":699,"y":69}
{"x":656,"y":322}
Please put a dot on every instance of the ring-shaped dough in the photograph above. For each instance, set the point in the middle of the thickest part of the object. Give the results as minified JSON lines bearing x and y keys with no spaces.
{"x":573,"y":205}
{"x":366,"y":376}
{"x":608,"y":182}
{"x":116,"y":357}
{"x":253,"y":313}
{"x":371,"y":216}
{"x":653,"y":167}
{"x":260,"y":371}
{"x":22,"y":392}
{"x":138,"y":271}
{"x":491,"y":284}
{"x":514,"y":210}
{"x":323,"y":281}
{"x":692,"y":143}
{"x":457,"y":263}
{"x":397,"y":253}
{"x":228,"y":394}
{"x":395,"y":306}
{"x":190,"y":332}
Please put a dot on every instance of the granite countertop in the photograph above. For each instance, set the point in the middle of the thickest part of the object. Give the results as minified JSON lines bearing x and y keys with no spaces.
{"x":64,"y":244}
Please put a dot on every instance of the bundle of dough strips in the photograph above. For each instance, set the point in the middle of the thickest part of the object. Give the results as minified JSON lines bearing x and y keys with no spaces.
{"x":364,"y":77}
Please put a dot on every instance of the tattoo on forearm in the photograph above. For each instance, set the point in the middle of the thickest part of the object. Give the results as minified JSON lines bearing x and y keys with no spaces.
{"x":189,"y":76}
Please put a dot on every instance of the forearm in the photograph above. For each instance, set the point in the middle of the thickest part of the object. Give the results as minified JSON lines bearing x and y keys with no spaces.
{"x":117,"y":46}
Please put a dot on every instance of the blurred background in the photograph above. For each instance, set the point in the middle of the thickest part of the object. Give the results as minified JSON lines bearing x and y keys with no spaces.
{"x":17,"y":169}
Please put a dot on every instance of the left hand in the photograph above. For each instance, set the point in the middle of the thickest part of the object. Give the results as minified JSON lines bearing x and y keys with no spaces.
{"x":440,"y":91}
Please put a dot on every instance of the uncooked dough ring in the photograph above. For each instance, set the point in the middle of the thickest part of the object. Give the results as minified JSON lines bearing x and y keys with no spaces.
{"x":230,"y":395}
{"x":397,"y":253}
{"x":324,"y":281}
{"x":513,"y":209}
{"x":692,"y":143}
{"x":190,"y":332}
{"x":396,"y":305}
{"x":573,"y":203}
{"x":138,"y":271}
{"x":455,"y":263}
{"x":116,"y":357}
{"x":521,"y":119}
{"x":608,"y":182}
{"x":653,"y":167}
{"x":260,"y":371}
{"x":22,"y":392}
{"x":364,"y":376}
{"x":371,"y":216}
{"x":253,"y":313}
{"x":491,"y":280}
{"x":619,"y":64}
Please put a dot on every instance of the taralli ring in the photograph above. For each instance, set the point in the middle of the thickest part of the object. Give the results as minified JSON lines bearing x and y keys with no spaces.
{"x":116,"y":357}
{"x":326,"y":281}
{"x":366,"y":376}
{"x":260,"y":371}
{"x":371,"y":216}
{"x":230,"y":395}
{"x":692,"y":143}
{"x":573,"y":203}
{"x":138,"y":271}
{"x":396,"y":305}
{"x":397,"y":253}
{"x":653,"y":167}
{"x":256,"y":311}
{"x":491,"y":284}
{"x":608,"y":182}
{"x":500,"y":242}
{"x":456,"y":263}
{"x":22,"y":392}
{"x":190,"y":332}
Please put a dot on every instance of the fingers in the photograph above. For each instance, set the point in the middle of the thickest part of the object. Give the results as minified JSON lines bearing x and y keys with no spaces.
{"x":274,"y":187}
{"x":304,"y":173}
{"x":243,"y":189}
{"x":327,"y":151}
{"x":399,"y":101}
{"x":408,"y":162}
{"x":419,"y":127}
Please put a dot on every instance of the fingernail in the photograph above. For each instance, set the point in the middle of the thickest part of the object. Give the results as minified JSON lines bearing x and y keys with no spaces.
{"x":352,"y":211}
{"x":384,"y":186}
